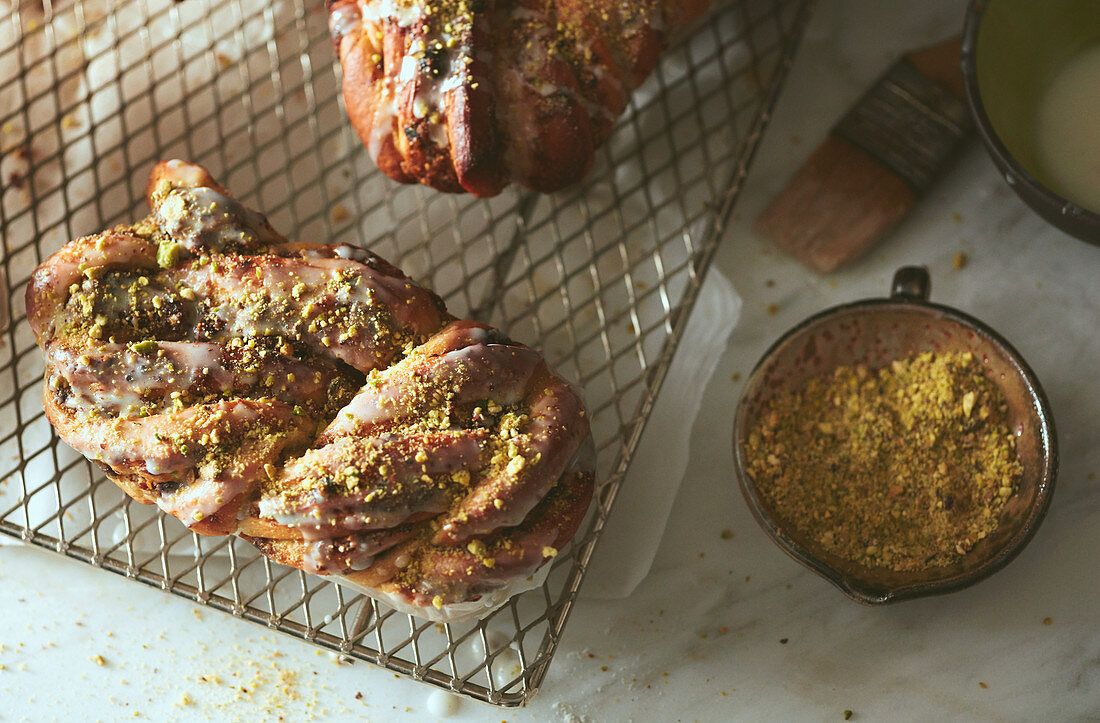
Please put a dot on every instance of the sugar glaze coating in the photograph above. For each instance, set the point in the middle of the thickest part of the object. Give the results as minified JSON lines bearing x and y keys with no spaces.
{"x":470,"y":95}
{"x":308,"y":397}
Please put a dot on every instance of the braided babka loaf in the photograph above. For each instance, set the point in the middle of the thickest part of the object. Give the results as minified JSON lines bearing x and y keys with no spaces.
{"x":311,"y":399}
{"x":468,"y":95}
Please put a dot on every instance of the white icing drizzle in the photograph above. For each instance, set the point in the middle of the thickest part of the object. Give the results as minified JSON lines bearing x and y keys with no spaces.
{"x":345,"y":251}
{"x":350,"y":552}
{"x":155,"y":441}
{"x":344,"y":20}
{"x":479,"y":371}
{"x":369,"y":407}
{"x":203,"y":219}
{"x":316,"y":513}
{"x":203,"y":497}
{"x":302,"y":287}
{"x":600,"y":72}
{"x":437,"y":134}
{"x":113,"y":378}
{"x":113,"y":250}
{"x":408,"y":71}
{"x":181,"y":173}
{"x":317,"y":557}
{"x":385,"y":111}
{"x":402,"y":14}
{"x":430,"y":81}
{"x":430,"y":101}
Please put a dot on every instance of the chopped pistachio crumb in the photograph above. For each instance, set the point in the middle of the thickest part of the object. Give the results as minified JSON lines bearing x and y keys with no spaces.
{"x":906,"y":467}
{"x":146,"y":347}
{"x":170,"y":253}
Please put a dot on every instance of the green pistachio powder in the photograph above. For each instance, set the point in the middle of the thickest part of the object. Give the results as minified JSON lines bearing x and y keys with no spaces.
{"x":905,"y":467}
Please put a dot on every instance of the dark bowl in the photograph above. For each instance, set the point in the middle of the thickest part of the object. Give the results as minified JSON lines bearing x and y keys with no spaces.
{"x":875,"y":332}
{"x":1010,"y":50}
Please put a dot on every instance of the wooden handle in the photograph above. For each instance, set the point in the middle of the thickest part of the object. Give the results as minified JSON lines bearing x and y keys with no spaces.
{"x":943,"y":64}
{"x":843,"y":200}
{"x":838,"y":205}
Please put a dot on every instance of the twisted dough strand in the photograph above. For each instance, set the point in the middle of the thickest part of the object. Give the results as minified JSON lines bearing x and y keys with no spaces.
{"x":309,"y":398}
{"x":468,"y":95}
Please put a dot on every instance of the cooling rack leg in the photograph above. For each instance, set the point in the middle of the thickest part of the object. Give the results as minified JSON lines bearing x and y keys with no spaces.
{"x":362,"y":618}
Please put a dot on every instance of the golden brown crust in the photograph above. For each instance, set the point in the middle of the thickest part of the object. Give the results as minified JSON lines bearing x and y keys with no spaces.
{"x":308,"y":397}
{"x":49,"y":285}
{"x":468,"y":95}
{"x":419,"y":570}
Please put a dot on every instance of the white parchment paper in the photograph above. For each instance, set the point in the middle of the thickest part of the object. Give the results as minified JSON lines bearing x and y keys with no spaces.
{"x":637,"y":523}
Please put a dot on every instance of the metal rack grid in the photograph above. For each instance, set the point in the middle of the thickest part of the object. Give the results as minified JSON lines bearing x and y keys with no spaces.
{"x":601,"y":278}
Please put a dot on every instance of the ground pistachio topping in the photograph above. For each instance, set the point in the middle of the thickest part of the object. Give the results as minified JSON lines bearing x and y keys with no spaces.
{"x":906,"y":467}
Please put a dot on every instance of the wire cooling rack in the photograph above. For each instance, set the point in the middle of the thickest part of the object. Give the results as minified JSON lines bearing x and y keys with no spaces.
{"x":601,"y":278}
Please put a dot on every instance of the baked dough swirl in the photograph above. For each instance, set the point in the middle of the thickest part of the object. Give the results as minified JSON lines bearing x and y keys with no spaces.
{"x":469,"y":95}
{"x":310,"y":398}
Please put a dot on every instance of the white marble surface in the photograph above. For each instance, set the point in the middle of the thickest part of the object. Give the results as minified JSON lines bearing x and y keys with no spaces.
{"x":722,"y":628}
